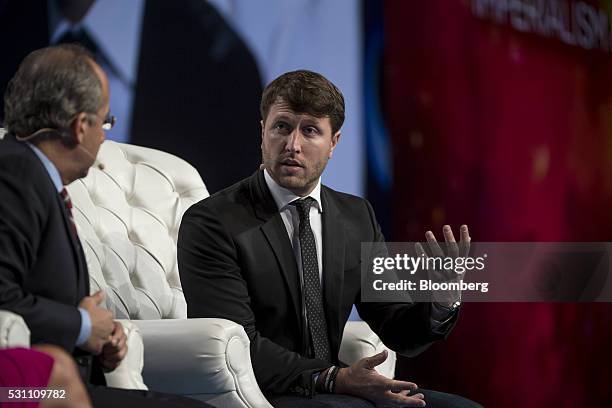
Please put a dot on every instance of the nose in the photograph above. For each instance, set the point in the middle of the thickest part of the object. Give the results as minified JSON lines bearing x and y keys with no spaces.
{"x":294,"y":143}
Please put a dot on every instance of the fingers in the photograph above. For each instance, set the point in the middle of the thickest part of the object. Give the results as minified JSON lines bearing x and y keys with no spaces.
{"x":122,"y":346}
{"x":102,"y":323}
{"x":420,"y":250}
{"x":402,"y":400}
{"x":447,"y":231}
{"x":118,"y":335}
{"x":449,"y":238}
{"x":375,"y":360}
{"x":111,"y":361}
{"x":454,"y":249}
{"x":465,"y":234}
{"x":464,"y":241}
{"x":98,"y":297}
{"x":401,"y":386}
{"x":115,"y":353}
{"x":115,"y":349}
{"x":406,"y":392}
{"x":433,"y":244}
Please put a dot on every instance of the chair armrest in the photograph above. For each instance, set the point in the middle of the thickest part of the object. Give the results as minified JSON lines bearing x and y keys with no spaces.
{"x":15,"y":333}
{"x":360,"y":341}
{"x":208,"y":359}
{"x":13,"y":330}
{"x":128,"y":374}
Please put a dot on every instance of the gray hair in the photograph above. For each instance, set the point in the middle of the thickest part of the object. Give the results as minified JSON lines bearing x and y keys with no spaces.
{"x":51,"y":87}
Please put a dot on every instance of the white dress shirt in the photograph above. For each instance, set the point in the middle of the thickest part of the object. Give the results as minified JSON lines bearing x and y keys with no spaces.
{"x":283,"y":199}
{"x":85,"y":330}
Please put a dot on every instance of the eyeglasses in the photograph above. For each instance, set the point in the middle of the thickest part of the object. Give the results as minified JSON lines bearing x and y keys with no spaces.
{"x":109,"y":122}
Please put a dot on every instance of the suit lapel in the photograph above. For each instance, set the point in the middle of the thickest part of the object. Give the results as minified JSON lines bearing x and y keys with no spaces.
{"x":77,"y":252}
{"x":333,"y":251}
{"x":333,"y":264}
{"x":276,"y":234}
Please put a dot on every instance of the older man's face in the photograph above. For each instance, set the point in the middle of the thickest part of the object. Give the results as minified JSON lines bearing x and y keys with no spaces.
{"x":296,"y":147}
{"x":95,"y":133}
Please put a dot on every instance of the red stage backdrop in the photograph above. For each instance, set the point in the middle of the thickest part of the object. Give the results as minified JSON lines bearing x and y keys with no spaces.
{"x":500,"y":114}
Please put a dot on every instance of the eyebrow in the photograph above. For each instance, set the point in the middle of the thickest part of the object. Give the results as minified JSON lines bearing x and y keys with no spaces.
{"x":291,"y":120}
{"x":284,"y":117}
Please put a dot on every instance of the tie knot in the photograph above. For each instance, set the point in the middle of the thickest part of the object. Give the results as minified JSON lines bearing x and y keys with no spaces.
{"x":81,"y":37}
{"x":303,"y":206}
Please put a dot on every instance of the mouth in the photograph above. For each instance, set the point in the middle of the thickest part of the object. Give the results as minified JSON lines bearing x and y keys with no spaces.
{"x":291,"y":163}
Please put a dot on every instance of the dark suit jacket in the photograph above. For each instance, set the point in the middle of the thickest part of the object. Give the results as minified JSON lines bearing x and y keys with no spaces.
{"x":236,"y":262}
{"x":43,"y":274}
{"x":198,"y":86}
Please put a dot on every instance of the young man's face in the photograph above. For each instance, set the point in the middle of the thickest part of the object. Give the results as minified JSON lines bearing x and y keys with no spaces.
{"x":296,"y":147}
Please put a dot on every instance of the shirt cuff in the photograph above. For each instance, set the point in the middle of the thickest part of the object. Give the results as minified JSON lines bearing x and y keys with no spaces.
{"x":85,"y":331}
{"x":440,"y":315}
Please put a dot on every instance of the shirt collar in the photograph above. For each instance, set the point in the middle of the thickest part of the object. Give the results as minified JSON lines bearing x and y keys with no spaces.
{"x":115,"y":26}
{"x":49,"y":166}
{"x":282,"y":196}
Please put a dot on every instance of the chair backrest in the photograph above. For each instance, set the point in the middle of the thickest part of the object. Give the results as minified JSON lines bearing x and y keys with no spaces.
{"x":128,"y":216}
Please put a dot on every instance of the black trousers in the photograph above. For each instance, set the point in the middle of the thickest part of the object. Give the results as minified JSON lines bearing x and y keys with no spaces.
{"x":103,"y":397}
{"x":434,"y":399}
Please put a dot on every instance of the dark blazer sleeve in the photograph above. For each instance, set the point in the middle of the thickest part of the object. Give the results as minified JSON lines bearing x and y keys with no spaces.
{"x":212,"y":281}
{"x":23,"y":214}
{"x":406,"y":328}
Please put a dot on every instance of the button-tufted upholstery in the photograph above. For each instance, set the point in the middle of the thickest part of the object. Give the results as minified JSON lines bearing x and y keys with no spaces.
{"x":128,"y":218}
{"x":15,"y":333}
{"x":13,"y":330}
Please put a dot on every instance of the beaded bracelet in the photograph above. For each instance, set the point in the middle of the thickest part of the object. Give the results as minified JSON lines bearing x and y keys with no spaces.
{"x":331,"y":379}
{"x":327,"y":378}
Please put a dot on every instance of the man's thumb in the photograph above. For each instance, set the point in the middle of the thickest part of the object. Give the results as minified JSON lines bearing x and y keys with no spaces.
{"x":375,"y":360}
{"x":98,"y":297}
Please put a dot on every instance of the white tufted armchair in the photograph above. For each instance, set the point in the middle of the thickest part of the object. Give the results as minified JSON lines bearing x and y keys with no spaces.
{"x":128,"y":216}
{"x":13,"y":330}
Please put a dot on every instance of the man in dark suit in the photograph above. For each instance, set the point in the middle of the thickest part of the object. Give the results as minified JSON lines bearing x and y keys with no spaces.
{"x":279,"y":253}
{"x":57,"y":107}
{"x":188,"y":60}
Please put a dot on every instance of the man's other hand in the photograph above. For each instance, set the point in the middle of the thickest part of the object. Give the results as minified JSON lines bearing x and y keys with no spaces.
{"x":362,"y":380}
{"x":102,"y":324}
{"x":454,"y":249}
{"x":115,"y":350}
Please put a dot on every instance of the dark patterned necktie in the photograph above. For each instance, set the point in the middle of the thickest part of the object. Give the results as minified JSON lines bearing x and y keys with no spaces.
{"x":312,"y":285}
{"x":68,"y":205}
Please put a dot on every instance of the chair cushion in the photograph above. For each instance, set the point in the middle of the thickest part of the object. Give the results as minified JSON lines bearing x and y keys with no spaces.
{"x":128,"y":216}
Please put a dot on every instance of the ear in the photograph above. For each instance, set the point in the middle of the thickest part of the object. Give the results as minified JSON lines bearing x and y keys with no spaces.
{"x":334,"y":142}
{"x":78,"y":127}
{"x":263,"y":126}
